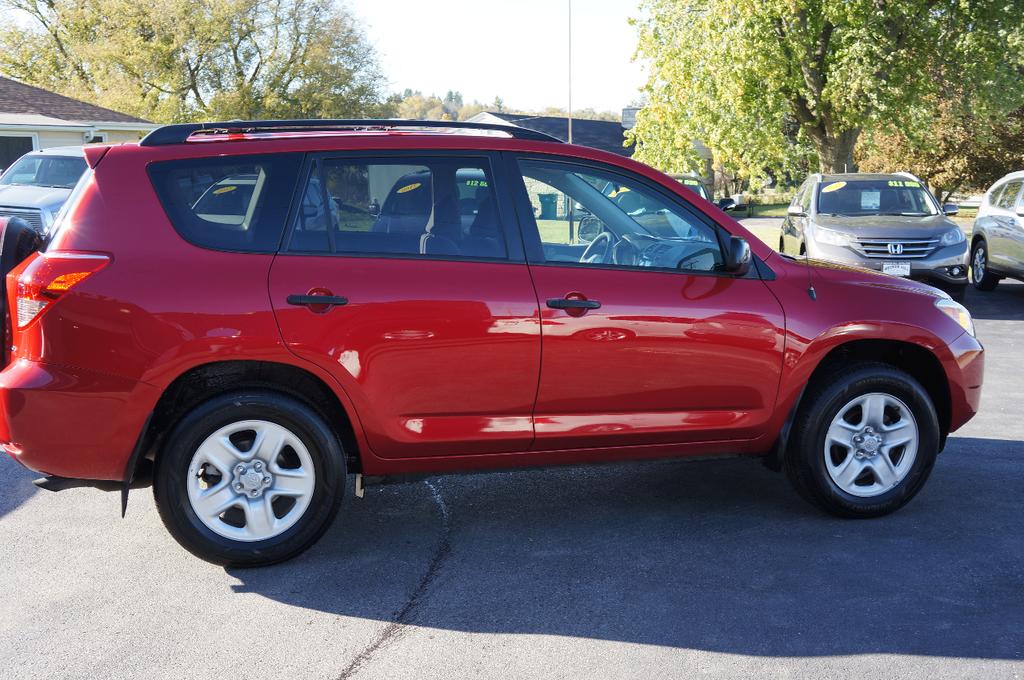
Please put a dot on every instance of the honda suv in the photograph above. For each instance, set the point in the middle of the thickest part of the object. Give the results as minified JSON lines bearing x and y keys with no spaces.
{"x":890,"y":223}
{"x":247,"y":313}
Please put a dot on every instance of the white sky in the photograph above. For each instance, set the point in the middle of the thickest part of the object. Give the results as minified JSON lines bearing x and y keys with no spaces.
{"x":516,"y":50}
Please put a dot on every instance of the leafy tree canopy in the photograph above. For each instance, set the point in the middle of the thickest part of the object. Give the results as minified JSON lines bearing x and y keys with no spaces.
{"x":787,"y":83}
{"x":196,"y":59}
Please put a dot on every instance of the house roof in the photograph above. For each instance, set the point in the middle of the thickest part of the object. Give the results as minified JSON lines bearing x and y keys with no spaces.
{"x":19,"y":98}
{"x":606,"y":135}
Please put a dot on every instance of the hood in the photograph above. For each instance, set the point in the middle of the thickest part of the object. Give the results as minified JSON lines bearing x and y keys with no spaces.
{"x":858,"y":276}
{"x":888,"y":226}
{"x":24,"y":196}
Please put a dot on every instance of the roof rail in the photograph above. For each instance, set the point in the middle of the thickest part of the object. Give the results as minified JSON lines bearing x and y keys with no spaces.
{"x":179,"y":133}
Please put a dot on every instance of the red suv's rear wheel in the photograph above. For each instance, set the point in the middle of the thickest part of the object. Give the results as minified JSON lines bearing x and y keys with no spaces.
{"x":249,"y":478}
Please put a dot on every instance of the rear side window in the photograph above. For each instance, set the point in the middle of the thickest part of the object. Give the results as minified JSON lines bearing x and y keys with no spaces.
{"x":443,"y":207}
{"x":235,"y":203}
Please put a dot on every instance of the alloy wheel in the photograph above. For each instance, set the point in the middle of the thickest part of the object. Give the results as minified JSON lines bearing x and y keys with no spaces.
{"x":251,"y":480}
{"x":871,"y":445}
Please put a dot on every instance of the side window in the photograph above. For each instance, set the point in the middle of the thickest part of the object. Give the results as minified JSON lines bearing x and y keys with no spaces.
{"x":235,"y":203}
{"x":431,"y":207}
{"x":807,"y":197}
{"x":1008,"y":199}
{"x":592,"y":217}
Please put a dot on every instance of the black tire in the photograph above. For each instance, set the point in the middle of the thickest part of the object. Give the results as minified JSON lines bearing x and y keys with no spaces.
{"x":804,"y":462}
{"x":988,"y":281}
{"x":172,"y":465}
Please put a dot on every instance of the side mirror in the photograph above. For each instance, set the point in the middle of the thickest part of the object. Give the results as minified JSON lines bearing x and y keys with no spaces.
{"x":727,"y":204}
{"x":374,"y":208}
{"x":796,"y":211}
{"x":737,"y":257}
{"x":950,"y":209}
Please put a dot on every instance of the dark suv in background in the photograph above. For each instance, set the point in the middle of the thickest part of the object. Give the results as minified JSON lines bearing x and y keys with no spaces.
{"x":246,"y":313}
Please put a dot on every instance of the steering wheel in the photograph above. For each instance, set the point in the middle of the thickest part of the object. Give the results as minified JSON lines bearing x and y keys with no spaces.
{"x":598,"y":250}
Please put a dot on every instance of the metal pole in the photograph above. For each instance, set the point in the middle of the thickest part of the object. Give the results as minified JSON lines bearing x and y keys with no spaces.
{"x":570,"y":71}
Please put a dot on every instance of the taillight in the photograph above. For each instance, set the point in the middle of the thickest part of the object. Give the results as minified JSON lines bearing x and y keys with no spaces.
{"x":48,"y":277}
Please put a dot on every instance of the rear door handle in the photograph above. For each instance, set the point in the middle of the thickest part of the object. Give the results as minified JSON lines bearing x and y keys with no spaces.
{"x":314,"y":300}
{"x":571,"y":303}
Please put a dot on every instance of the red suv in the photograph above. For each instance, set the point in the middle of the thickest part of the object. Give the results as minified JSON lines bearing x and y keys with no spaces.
{"x":245,"y":313}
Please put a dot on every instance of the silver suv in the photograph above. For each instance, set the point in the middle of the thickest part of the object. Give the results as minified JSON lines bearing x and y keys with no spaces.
{"x":997,"y":242}
{"x":890,"y":223}
{"x":36,"y":185}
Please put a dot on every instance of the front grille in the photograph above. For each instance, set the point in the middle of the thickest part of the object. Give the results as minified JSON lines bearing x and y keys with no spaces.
{"x":907,"y":249}
{"x":31,"y":215}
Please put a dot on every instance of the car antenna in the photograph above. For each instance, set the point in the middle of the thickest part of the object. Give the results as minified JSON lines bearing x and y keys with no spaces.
{"x":813,"y":294}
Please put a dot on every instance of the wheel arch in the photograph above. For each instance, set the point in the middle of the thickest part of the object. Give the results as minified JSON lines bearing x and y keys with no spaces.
{"x":917,"y":361}
{"x":200,"y":383}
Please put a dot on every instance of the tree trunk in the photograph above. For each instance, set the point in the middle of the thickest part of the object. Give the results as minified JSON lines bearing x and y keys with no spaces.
{"x":835,"y":151}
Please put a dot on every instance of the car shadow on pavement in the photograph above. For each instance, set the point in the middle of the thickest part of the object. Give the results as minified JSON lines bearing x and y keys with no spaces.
{"x":717,"y":555}
{"x":16,"y":485}
{"x":1005,"y":303}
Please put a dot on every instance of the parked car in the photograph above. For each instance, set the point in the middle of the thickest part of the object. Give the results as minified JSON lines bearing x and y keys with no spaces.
{"x":694,"y":184}
{"x":247,"y":357}
{"x":36,"y":186}
{"x":997,"y":242}
{"x":890,"y":223}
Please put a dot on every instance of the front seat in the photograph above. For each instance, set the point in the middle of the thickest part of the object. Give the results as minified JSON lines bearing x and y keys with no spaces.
{"x":444,"y":228}
{"x":485,"y":239}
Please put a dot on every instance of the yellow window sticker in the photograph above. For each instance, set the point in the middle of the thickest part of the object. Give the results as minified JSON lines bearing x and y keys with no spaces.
{"x":904,"y":183}
{"x":835,"y":186}
{"x":410,"y":187}
{"x":223,"y":190}
{"x":691,"y":182}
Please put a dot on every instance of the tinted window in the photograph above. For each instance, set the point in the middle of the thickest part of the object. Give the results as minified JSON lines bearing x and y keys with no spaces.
{"x":592,"y":217}
{"x":875,"y":197}
{"x":1008,"y":199}
{"x":237,"y":203}
{"x":46,"y":171}
{"x":428,"y":207}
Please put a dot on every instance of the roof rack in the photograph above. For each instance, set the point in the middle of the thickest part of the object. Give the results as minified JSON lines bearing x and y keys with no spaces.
{"x":179,"y":133}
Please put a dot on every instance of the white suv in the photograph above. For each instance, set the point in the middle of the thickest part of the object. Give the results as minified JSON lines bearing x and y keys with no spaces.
{"x":997,"y":245}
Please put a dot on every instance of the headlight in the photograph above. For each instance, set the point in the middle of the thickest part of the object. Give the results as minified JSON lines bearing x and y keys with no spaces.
{"x":957,"y":312}
{"x":952,"y":237}
{"x":831,"y":237}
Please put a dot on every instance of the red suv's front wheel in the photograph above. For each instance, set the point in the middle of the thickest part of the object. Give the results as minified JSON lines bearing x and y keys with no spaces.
{"x":249,"y":478}
{"x":864,"y":441}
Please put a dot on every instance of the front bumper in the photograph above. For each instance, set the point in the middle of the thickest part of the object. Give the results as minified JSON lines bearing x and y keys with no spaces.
{"x":70,"y":422}
{"x":965,"y":370}
{"x":946,"y":267}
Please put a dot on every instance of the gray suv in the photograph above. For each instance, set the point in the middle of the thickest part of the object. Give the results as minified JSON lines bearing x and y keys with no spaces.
{"x":890,"y":223}
{"x":36,"y":185}
{"x":997,"y":242}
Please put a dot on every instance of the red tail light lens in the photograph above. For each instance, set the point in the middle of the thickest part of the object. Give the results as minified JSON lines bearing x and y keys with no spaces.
{"x":48,"y":277}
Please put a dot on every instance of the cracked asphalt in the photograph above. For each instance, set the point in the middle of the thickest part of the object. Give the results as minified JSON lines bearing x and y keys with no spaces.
{"x":657,"y":570}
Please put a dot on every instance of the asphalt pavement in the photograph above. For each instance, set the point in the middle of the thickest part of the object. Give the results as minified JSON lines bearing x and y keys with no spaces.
{"x":658,"y":570}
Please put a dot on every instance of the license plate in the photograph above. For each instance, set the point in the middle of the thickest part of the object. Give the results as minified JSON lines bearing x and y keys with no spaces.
{"x":896,"y":268}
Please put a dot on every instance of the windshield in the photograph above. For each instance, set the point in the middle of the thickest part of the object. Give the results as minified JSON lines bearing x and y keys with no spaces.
{"x":853,"y":198}
{"x":61,"y":172}
{"x":695,"y":186}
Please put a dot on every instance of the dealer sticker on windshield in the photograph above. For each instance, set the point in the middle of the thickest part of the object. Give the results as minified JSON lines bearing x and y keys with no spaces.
{"x":896,"y":268}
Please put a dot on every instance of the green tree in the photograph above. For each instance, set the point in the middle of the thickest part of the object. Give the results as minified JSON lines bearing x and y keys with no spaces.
{"x":961,"y":149}
{"x":192,"y":59}
{"x":776,"y":83}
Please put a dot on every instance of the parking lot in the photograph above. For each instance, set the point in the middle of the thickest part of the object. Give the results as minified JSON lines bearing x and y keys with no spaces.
{"x":660,"y":570}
